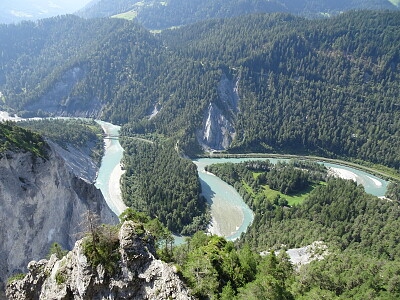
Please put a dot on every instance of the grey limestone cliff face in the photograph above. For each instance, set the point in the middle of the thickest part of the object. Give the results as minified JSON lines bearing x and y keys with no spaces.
{"x":78,"y":161}
{"x":228,"y":92}
{"x":138,"y":275}
{"x":218,"y":130}
{"x":41,"y":202}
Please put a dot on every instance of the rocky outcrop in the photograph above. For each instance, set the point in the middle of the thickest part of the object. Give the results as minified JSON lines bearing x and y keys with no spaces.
{"x":218,"y":130}
{"x":41,"y":202}
{"x":318,"y":250}
{"x":228,"y":92}
{"x":138,"y":274}
{"x":154,"y":112}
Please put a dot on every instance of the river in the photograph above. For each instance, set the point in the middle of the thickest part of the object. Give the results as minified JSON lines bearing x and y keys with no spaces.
{"x":230,"y":215}
{"x":110,"y":172}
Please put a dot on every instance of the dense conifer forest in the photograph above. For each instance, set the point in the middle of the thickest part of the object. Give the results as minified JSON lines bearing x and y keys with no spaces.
{"x":215,"y":269}
{"x":164,"y":185}
{"x":14,"y":138}
{"x":338,"y":211}
{"x":308,"y":86}
{"x":359,"y":229}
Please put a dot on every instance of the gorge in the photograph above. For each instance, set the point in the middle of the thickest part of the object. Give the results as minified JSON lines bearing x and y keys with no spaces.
{"x":230,"y":215}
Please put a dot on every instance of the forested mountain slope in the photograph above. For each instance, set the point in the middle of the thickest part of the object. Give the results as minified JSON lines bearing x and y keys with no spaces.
{"x":327,"y":86}
{"x":69,"y":65}
{"x":163,"y":14}
{"x":314,"y":86}
{"x":359,"y":229}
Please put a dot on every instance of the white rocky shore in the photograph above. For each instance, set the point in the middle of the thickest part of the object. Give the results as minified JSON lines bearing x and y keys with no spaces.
{"x":343,"y":173}
{"x":318,"y":250}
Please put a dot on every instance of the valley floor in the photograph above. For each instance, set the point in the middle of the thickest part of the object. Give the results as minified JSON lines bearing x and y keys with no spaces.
{"x":370,"y":170}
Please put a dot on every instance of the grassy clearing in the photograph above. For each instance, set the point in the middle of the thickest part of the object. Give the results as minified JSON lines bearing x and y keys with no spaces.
{"x":293,"y":199}
{"x":248,"y":188}
{"x":129,"y":15}
{"x":256,"y":174}
{"x":395,"y":2}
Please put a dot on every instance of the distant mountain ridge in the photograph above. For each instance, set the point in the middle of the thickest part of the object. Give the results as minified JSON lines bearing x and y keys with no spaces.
{"x":155,"y":14}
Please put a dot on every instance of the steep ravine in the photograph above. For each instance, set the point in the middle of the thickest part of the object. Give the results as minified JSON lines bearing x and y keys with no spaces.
{"x":42,"y":202}
{"x":78,"y":160}
{"x":217,"y":132}
{"x":218,"y":129}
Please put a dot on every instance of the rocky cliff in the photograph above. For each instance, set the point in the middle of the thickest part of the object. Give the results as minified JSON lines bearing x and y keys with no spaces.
{"x":138,"y":274}
{"x":78,"y":160}
{"x":218,"y":130}
{"x":41,"y":202}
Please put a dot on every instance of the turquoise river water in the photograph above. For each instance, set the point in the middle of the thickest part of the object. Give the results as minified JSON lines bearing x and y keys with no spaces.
{"x":231,"y":216}
{"x":111,"y":159}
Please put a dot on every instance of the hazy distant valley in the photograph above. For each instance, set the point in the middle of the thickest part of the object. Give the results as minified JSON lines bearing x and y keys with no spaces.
{"x":20,"y":10}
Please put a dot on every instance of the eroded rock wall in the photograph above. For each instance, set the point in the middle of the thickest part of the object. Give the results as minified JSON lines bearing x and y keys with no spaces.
{"x":217,"y":132}
{"x":218,"y":129}
{"x":78,"y":160}
{"x":41,"y":202}
{"x":60,"y":99}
